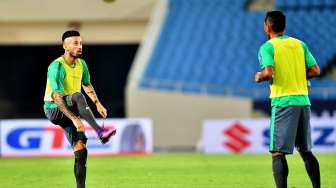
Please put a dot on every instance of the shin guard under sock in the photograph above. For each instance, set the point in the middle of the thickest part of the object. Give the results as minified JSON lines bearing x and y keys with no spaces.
{"x":312,"y":167}
{"x":80,"y":167}
{"x":280,"y":171}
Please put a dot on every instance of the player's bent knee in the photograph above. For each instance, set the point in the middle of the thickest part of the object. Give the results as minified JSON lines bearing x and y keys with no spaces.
{"x":275,"y":154}
{"x":79,"y":146}
{"x":78,"y":96}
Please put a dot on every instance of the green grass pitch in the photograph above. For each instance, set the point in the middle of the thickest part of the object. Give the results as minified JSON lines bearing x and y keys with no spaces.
{"x":162,"y":171}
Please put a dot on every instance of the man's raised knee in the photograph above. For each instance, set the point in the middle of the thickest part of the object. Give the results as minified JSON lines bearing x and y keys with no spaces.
{"x":77,"y":96}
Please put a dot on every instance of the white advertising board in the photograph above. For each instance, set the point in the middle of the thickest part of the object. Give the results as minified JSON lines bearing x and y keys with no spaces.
{"x":21,"y":138}
{"x":252,"y":136}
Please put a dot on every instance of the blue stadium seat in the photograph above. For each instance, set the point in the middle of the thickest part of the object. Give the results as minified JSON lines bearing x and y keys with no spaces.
{"x":330,"y":2}
{"x":305,"y":3}
{"x":280,"y":3}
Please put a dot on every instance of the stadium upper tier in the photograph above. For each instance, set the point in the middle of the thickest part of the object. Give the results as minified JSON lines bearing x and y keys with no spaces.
{"x":211,"y":47}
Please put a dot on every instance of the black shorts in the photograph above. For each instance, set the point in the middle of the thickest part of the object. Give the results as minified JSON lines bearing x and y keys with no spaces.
{"x":58,"y":118}
{"x":290,"y":127}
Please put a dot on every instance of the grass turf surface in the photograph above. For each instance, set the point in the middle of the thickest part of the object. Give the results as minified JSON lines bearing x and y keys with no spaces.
{"x":162,"y":171}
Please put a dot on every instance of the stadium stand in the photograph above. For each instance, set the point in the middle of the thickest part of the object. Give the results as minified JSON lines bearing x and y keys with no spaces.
{"x":306,"y":4}
{"x":211,"y":47}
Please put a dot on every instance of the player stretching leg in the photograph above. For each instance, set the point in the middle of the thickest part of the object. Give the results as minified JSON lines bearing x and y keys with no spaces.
{"x":64,"y":103}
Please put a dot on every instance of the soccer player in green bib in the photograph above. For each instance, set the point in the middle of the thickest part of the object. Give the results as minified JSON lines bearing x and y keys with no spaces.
{"x":287,"y":63}
{"x":64,"y":103}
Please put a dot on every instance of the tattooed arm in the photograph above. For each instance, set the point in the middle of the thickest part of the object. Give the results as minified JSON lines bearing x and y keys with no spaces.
{"x":59,"y":101}
{"x":89,"y":90}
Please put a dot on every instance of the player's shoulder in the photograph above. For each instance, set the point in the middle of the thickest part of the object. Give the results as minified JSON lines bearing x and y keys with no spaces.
{"x":296,"y":40}
{"x":266,"y":46}
{"x":82,"y":61}
{"x":56,"y":64}
{"x":57,"y":61}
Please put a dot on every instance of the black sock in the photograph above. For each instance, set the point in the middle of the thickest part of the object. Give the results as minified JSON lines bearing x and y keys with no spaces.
{"x":312,"y":167}
{"x":84,"y":110}
{"x":280,"y":171}
{"x":80,"y":167}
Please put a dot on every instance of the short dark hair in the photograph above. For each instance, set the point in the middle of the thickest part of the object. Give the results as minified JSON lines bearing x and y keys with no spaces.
{"x":70,"y":33}
{"x":277,"y":20}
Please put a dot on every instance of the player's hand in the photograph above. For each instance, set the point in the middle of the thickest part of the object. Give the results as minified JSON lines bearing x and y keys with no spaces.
{"x":78,"y":124}
{"x":101,"y":109}
{"x":258,"y":77}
